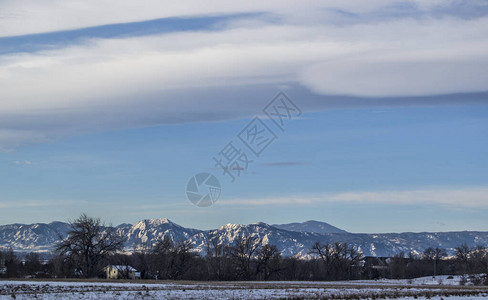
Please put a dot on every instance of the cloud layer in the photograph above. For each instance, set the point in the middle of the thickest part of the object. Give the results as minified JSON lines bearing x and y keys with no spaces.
{"x":324,"y":48}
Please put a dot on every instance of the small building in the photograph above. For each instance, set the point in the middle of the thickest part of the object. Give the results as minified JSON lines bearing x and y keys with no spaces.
{"x":376,"y":267}
{"x":121,"y":272}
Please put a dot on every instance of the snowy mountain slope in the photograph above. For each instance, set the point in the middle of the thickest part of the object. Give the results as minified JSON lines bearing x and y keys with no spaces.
{"x":310,"y":226}
{"x":34,"y":237}
{"x":299,"y":243}
{"x":42,"y":237}
{"x":146,"y":232}
{"x":288,"y":242}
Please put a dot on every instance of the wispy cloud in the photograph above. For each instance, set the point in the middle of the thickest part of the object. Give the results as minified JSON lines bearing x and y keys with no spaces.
{"x":46,"y":203}
{"x":22,"y":17}
{"x":473,"y":197}
{"x":22,"y":162}
{"x":283,"y":164}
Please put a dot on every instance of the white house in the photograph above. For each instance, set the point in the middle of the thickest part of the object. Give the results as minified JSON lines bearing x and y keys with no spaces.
{"x":121,"y":272}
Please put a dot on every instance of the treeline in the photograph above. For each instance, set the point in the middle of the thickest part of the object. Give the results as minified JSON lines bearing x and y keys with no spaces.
{"x":466,"y":261}
{"x":89,"y":248}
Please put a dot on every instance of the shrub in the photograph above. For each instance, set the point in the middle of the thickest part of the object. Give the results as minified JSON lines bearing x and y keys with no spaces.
{"x":463,"y":280}
{"x":475,"y":280}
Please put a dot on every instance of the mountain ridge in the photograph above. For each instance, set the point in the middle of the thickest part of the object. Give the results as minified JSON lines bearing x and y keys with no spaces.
{"x":310,"y":226}
{"x":292,"y":239}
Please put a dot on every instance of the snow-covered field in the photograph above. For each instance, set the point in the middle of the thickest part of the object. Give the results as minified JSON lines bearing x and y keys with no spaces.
{"x":420,"y":288}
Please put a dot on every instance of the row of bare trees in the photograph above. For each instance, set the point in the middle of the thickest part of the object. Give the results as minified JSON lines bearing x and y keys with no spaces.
{"x":340,"y":261}
{"x":434,"y":261}
{"x":246,"y":259}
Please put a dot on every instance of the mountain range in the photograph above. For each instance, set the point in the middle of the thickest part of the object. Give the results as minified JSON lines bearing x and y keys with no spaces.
{"x":294,"y":239}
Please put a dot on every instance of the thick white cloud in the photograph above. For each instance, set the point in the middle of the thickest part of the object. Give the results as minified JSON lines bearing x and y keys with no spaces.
{"x":190,"y":76}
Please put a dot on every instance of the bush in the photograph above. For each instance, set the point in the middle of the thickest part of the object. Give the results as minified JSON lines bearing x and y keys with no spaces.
{"x":475,"y":279}
{"x":463,"y":280}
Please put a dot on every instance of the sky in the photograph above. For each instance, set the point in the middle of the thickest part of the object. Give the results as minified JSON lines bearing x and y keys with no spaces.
{"x":111,"y":108}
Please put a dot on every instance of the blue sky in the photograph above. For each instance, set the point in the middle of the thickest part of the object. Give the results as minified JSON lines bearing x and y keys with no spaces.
{"x":112,"y":115}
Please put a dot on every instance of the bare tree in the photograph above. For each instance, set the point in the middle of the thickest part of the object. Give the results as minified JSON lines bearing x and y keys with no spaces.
{"x":434,"y":255}
{"x":162,"y":257}
{"x":243,"y":252}
{"x":325,"y":252}
{"x":353,"y":261}
{"x":268,"y":260}
{"x":88,"y":242}
{"x":11,"y":263}
{"x":172,"y":261}
{"x":181,"y":259}
{"x":32,"y":265}
{"x":215,"y":256}
{"x":341,"y":260}
{"x":462,"y":256}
